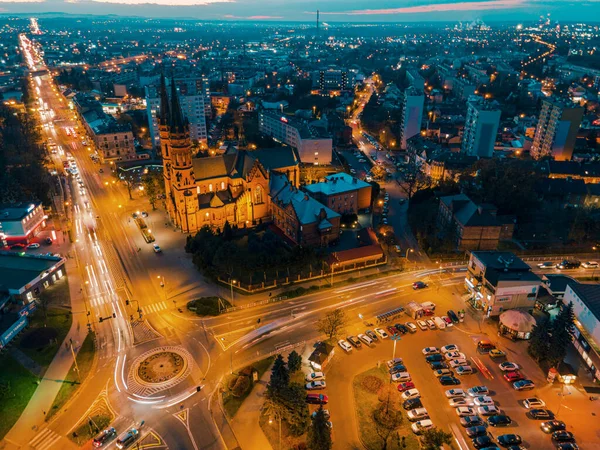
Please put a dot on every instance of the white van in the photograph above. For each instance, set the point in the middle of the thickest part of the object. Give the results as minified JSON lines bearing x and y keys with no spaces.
{"x":439,"y":323}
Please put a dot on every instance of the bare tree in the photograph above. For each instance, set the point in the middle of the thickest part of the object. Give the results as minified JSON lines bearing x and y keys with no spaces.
{"x":332,"y":324}
{"x":43,"y":300}
{"x":413,"y":179}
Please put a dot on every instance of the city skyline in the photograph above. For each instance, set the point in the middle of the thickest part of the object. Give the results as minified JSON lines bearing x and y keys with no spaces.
{"x":305,"y":11}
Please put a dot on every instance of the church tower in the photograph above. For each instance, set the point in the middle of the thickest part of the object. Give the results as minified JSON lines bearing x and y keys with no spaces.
{"x":183,"y":183}
{"x":163,"y":129}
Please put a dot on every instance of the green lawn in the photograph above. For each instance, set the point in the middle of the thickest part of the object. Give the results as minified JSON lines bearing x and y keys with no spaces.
{"x":85,"y":359}
{"x":17,"y":385}
{"x":365,"y":403}
{"x":43,"y":337}
{"x":87,"y":431}
{"x":208,"y":306}
{"x":231,"y":404}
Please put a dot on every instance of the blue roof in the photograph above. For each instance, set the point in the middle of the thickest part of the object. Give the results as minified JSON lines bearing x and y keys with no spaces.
{"x":337,"y":183}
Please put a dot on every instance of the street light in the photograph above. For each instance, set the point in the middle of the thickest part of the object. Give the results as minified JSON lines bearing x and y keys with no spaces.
{"x":332,"y":267}
{"x":231,"y":283}
{"x":278,"y":417}
{"x":408,"y":250}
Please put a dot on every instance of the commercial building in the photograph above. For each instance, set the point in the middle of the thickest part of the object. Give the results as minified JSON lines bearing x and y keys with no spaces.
{"x":342,"y":193}
{"x":313,"y":144}
{"x":332,"y":81}
{"x":481,"y":128}
{"x":499,"y":281}
{"x":412,"y":114}
{"x":21,"y":222}
{"x":194,"y":100}
{"x":556,"y":131}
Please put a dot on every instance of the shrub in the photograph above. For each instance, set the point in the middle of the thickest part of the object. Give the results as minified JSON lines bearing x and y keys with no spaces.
{"x":388,"y":418}
{"x":389,"y":393}
{"x":371,"y":383}
{"x":241,"y":386}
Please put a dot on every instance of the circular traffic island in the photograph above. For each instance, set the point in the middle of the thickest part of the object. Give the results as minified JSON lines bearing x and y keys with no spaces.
{"x":160,"y":367}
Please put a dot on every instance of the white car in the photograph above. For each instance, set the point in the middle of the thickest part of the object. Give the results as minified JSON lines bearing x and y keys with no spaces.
{"x":431,"y":324}
{"x":490,"y":410}
{"x":508,"y":366}
{"x":477,"y":391}
{"x":345,"y":346}
{"x":457,"y":402}
{"x":454,"y":355}
{"x":156,"y":248}
{"x":381,"y":333}
{"x":315,"y":376}
{"x":366,"y":339}
{"x":411,"y":393}
{"x":313,"y":385}
{"x":430,"y":350}
{"x":458,"y":362}
{"x":547,"y":265}
{"x":534,"y":402}
{"x":590,"y":265}
{"x":484,"y":400}
{"x":456,"y":393}
{"x":464,"y":370}
{"x":428,"y":305}
{"x":449,"y":348}
{"x":421,"y":426}
{"x":463,"y":411}
{"x":411,"y":327}
{"x":442,"y":373}
{"x":392,"y":362}
{"x":422,"y":325}
{"x":417,"y":414}
{"x":401,"y":377}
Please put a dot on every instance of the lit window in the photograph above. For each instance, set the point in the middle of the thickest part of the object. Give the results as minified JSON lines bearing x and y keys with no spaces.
{"x":210,"y":187}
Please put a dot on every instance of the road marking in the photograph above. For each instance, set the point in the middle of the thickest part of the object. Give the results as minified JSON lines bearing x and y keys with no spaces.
{"x":44,"y":440}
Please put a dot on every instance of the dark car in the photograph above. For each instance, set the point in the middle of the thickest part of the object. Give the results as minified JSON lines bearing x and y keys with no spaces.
{"x":397,"y":368}
{"x":354,"y":341}
{"x":477,"y":431}
{"x":434,"y":358}
{"x":499,"y":420}
{"x":372,"y":335}
{"x":419,"y":285}
{"x":448,"y":381}
{"x":453,"y":316}
{"x":568,"y":264}
{"x":483,"y":441}
{"x":48,"y":240}
{"x":392,"y":330}
{"x":563,"y":436}
{"x":509,"y":439}
{"x":128,"y":438}
{"x":17,"y":246}
{"x":437,"y":365}
{"x":541,"y":414}
{"x":104,"y":437}
{"x":553,"y":425}
{"x":317,"y":399}
{"x":567,"y":446}
{"x":403,"y":329}
{"x":412,"y":403}
{"x":471,"y":421}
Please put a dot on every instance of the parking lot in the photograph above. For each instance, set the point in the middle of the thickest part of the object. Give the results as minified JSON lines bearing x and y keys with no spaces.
{"x":345,"y":366}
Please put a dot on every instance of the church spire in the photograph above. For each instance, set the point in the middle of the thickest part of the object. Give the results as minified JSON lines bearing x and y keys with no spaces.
{"x":178,"y":123}
{"x":164,"y":101}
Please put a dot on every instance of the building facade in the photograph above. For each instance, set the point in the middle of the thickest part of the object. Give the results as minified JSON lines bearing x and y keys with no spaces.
{"x":481,"y":128}
{"x":21,"y":222}
{"x":412,"y":114}
{"x":332,"y":81}
{"x":557,"y":129}
{"x":342,"y":193}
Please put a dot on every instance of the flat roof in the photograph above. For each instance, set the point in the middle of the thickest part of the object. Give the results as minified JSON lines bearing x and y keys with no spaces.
{"x":17,"y":270}
{"x":16,"y":212}
{"x":337,"y":184}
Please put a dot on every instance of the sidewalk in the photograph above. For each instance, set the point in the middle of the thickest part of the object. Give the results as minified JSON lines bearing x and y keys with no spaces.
{"x":245,"y":422}
{"x":32,"y":418}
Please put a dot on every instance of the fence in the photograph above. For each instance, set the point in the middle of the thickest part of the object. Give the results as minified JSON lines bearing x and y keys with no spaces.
{"x":262,"y":355}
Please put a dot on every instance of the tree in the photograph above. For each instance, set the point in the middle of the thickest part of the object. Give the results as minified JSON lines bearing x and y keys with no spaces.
{"x":319,"y":435}
{"x":227,"y":232}
{"x":332,"y":324}
{"x":43,"y":301}
{"x":152,"y":187}
{"x":539,"y":344}
{"x":127,"y":177}
{"x":434,"y":438}
{"x":294,"y":361}
{"x":280,"y":376}
{"x":413,"y":179}
{"x":562,"y":330}
{"x":386,"y":421}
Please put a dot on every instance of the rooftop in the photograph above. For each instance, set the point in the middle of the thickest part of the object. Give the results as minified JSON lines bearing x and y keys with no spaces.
{"x":17,"y":270}
{"x":501,"y":260}
{"x":590,"y":295}
{"x":468,"y":214}
{"x":16,"y":212}
{"x":337,"y":184}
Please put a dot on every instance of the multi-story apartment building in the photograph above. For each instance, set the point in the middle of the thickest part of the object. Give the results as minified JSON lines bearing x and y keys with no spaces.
{"x":314,"y":146}
{"x":332,"y":80}
{"x":193,"y":100}
{"x":412,"y":114}
{"x":21,"y":222}
{"x":481,"y":127}
{"x":556,"y":130}
{"x":342,"y":193}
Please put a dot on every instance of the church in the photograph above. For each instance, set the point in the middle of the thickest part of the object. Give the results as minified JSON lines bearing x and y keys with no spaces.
{"x":236,"y":187}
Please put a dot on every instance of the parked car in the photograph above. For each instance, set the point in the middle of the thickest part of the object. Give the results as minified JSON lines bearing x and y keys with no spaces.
{"x":534,"y":402}
{"x":541,"y":414}
{"x":381,"y":332}
{"x":411,"y":393}
{"x":392,"y":330}
{"x":563,"y":436}
{"x":496,"y":353}
{"x":401,"y":377}
{"x":489,"y":410}
{"x":547,"y":265}
{"x":568,"y":264}
{"x":433,"y":358}
{"x":464,"y":370}
{"x":406,"y":386}
{"x":316,"y":385}
{"x":422,"y":325}
{"x":128,"y":438}
{"x":455,"y":393}
{"x":422,"y":426}
{"x":477,"y":431}
{"x":449,"y":348}
{"x":458,"y":362}
{"x":315,"y":376}
{"x":431,"y":324}
{"x":156,"y":248}
{"x":454,"y":355}
{"x":104,"y":437}
{"x":366,"y":339}
{"x":397,"y":368}
{"x":448,"y":381}
{"x":553,"y":425}
{"x":17,"y":246}
{"x":508,"y":366}
{"x":392,"y":362}
{"x":317,"y":399}
{"x":412,"y":328}
{"x":437,"y":365}
{"x":354,"y":341}
{"x":402,"y":329}
{"x":463,"y":411}
{"x":419,"y":285}
{"x":509,"y":439}
{"x":484,"y":400}
{"x":452,"y":316}
{"x":345,"y":346}
{"x":523,"y":385}
{"x":511,"y":377}
{"x":476,"y":391}
{"x":417,"y":414}
{"x":442,"y":372}
{"x":499,"y":420}
{"x":460,"y":401}
{"x":430,"y":350}
{"x":567,"y":446}
{"x":590,"y":265}
{"x":471,"y":421}
{"x":428,"y":305}
{"x":448,"y":321}
{"x":484,"y":441}
{"x":412,"y":403}
{"x":33,"y":246}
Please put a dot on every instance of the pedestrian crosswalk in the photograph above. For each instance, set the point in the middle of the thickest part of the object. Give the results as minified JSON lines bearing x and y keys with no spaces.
{"x":156,"y":307}
{"x":45,"y":440}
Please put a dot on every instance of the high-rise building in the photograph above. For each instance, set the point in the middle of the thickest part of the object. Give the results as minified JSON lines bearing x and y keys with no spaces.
{"x":412,"y":114}
{"x":556,"y":130}
{"x":333,"y":80}
{"x":481,"y":128}
{"x":193,"y":100}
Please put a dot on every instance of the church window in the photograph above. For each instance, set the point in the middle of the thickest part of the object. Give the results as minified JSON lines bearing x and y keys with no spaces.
{"x":258,"y":195}
{"x":210,"y":187}
{"x":222,"y":185}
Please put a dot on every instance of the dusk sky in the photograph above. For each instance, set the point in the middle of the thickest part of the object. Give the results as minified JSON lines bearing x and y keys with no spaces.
{"x":331,"y":10}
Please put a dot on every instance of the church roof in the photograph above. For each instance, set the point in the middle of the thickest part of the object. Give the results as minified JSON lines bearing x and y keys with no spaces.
{"x":215,"y":201}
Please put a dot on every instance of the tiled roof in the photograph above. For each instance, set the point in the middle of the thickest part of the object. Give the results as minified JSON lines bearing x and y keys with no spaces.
{"x":468,"y":214}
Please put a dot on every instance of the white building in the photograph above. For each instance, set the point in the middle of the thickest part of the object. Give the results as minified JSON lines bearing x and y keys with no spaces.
{"x":193,"y":94}
{"x":412,"y":114}
{"x":481,"y":128}
{"x":314,"y":145}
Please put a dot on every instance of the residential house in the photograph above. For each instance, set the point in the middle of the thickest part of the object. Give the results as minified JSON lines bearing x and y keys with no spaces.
{"x":342,"y":193}
{"x":563,"y":192}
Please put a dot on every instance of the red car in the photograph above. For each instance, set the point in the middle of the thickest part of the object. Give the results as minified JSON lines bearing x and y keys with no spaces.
{"x":428,"y":312}
{"x":513,"y":376}
{"x":392,"y":331}
{"x":406,"y":386}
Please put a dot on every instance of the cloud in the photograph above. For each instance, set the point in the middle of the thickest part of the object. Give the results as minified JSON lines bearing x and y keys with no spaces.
{"x":20,"y":1}
{"x":438,"y":7}
{"x":164,"y":2}
{"x":231,"y":16}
